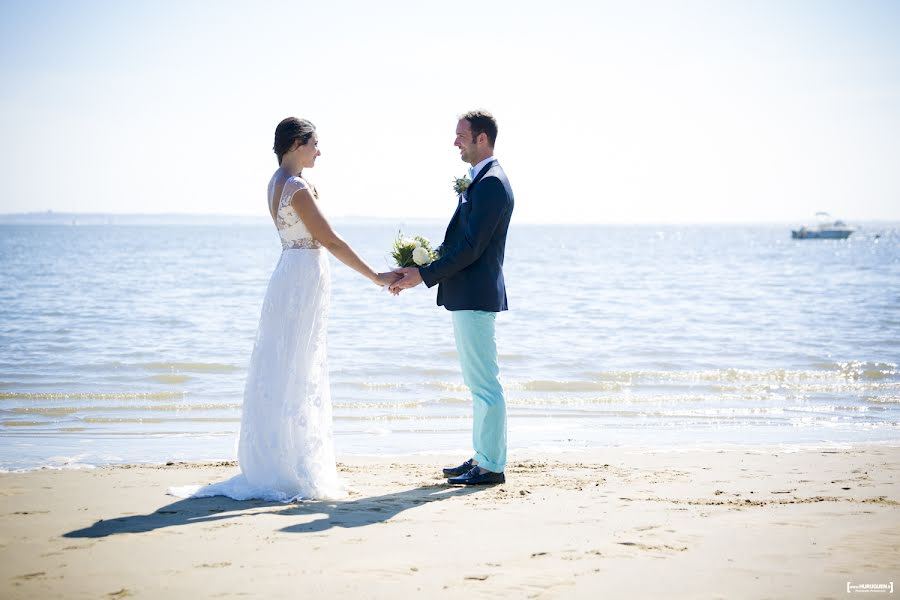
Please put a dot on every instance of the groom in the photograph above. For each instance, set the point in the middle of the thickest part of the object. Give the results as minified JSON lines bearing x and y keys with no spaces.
{"x":469,"y":275}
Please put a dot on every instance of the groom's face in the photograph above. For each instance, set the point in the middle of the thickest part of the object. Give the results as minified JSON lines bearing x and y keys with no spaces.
{"x":468,"y":150}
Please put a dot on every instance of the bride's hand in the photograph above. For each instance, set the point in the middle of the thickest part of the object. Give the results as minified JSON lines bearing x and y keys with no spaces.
{"x":389,"y":278}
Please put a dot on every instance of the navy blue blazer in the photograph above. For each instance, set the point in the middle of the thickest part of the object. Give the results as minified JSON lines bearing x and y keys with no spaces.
{"x":469,"y":273}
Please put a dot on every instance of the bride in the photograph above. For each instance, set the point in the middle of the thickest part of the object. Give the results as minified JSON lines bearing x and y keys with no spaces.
{"x":286,"y":450}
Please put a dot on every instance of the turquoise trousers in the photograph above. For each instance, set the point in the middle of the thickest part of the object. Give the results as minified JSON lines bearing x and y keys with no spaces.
{"x":477,"y":349}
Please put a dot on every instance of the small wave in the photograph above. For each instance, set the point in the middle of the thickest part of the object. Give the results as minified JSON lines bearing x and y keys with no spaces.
{"x":71,"y":466}
{"x":450,"y":400}
{"x":77,"y":462}
{"x":411,"y":431}
{"x":867,"y":371}
{"x":396,"y":417}
{"x":551,"y":401}
{"x":373,"y":385}
{"x":61,"y":411}
{"x":744,"y":388}
{"x":100,"y":434}
{"x":396,"y":385}
{"x":160,"y":420}
{"x":374,"y":405}
{"x":170,"y":378}
{"x":543,"y":385}
{"x":90,"y":396}
{"x":446,"y":386}
{"x":846,"y":387}
{"x":189,"y":367}
{"x":47,"y":412}
{"x":882,"y":399}
{"x":827,"y":408}
{"x":755,"y":411}
{"x":832,"y":372}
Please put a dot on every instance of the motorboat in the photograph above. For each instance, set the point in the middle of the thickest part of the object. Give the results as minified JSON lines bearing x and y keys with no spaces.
{"x":827,"y":229}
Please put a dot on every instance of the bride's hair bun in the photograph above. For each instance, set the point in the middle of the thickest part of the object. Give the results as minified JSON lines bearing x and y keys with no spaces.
{"x":291,"y":129}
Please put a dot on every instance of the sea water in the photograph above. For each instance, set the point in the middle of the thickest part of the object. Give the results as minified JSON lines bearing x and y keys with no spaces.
{"x":130,"y":343}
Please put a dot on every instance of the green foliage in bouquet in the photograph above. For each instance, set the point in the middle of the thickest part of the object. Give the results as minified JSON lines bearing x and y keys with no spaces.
{"x":412,"y":252}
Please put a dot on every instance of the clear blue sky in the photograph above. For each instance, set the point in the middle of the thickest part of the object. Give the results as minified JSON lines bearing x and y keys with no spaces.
{"x":609,"y":112}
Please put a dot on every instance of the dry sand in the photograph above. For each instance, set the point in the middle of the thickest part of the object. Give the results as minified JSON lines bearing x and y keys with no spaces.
{"x":598,"y":524}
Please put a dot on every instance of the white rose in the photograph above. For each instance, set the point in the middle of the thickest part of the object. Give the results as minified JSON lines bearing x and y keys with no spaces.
{"x":421,"y":256}
{"x":408,"y":243}
{"x":417,"y":243}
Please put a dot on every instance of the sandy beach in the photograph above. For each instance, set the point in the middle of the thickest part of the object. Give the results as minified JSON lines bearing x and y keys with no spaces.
{"x":600,"y":523}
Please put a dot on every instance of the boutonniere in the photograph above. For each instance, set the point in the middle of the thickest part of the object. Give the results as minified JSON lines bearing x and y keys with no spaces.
{"x":461,"y":184}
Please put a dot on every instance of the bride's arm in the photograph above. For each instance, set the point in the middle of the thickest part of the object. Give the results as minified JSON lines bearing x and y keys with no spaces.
{"x":308,"y":211}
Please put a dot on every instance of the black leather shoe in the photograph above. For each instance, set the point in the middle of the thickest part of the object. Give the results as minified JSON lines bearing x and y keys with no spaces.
{"x":473,"y":477}
{"x":460,"y":470}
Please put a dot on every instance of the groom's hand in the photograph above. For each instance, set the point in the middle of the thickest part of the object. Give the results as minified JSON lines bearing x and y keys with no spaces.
{"x":411,"y":278}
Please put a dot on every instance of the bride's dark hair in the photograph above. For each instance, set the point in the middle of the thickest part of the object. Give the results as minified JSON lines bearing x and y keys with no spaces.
{"x":291,"y":129}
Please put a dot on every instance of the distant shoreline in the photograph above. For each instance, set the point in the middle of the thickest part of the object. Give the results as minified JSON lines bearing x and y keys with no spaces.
{"x":60,"y":218}
{"x":65,"y":218}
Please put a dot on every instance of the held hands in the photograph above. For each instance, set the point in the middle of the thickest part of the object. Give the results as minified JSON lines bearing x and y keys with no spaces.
{"x":399,"y":279}
{"x":408,"y":277}
{"x":387,"y":279}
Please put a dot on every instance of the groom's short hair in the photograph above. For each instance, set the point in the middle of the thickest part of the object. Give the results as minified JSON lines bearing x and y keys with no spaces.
{"x":481,"y":121}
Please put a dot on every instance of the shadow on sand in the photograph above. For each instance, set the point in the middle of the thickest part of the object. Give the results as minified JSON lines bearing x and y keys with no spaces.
{"x":357,"y":512}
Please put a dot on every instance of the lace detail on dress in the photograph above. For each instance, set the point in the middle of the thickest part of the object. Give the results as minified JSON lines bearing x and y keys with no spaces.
{"x":291,"y":230}
{"x":304,"y":244}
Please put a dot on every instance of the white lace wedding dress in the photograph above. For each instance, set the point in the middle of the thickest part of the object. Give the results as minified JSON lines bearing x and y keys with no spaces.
{"x":286,"y":450}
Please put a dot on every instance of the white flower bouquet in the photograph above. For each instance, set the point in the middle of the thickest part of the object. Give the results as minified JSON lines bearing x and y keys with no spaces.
{"x":412,"y":252}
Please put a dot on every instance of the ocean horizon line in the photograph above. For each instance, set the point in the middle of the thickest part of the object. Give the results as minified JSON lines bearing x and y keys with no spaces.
{"x":50,"y":217}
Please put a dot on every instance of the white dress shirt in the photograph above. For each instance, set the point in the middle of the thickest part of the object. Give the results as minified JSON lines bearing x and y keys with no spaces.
{"x":474,"y":171}
{"x":477,"y":168}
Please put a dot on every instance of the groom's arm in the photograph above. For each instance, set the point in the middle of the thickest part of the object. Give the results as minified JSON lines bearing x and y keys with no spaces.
{"x":487,"y":210}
